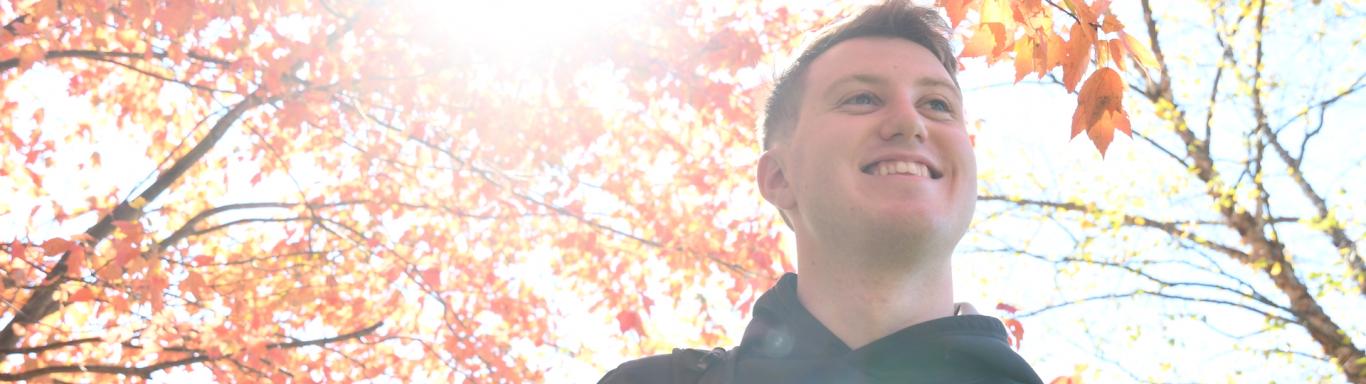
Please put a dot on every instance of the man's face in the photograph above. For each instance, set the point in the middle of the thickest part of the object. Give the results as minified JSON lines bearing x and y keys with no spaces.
{"x":879,"y":149}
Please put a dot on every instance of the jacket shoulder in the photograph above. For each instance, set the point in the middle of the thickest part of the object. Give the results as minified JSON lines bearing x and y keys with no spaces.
{"x":653,"y":369}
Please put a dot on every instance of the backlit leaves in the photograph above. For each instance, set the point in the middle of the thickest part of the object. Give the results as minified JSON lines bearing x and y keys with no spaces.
{"x":1024,"y":32}
{"x":1100,"y":109}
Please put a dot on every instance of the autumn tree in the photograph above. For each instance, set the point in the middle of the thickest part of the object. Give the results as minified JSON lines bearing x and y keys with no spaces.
{"x":336,"y":190}
{"x":1237,"y":213}
{"x":333,"y":190}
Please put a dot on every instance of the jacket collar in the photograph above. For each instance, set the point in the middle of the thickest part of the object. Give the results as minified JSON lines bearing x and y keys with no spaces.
{"x":787,"y":342}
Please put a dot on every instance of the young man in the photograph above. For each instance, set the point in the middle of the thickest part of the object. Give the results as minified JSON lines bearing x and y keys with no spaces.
{"x":868,"y":161}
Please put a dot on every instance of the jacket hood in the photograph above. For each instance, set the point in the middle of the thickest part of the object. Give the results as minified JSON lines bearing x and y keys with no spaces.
{"x":784,"y":343}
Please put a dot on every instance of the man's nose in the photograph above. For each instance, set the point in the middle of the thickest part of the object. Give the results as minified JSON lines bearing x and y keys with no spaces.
{"x":904,"y":121}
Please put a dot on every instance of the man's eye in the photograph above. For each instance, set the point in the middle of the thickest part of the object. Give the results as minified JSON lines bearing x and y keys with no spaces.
{"x":940,"y":105}
{"x":861,"y":99}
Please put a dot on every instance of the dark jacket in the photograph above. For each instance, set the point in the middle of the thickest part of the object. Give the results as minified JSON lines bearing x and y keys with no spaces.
{"x":785,"y":344}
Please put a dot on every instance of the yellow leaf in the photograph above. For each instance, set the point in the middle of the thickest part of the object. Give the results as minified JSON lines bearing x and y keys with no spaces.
{"x":1024,"y":58}
{"x":1140,"y":52}
{"x":1276,"y":269}
{"x":980,"y":44}
{"x":128,"y":37}
{"x":138,"y":203}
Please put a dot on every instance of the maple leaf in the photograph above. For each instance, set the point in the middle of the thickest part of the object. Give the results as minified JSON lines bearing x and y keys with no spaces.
{"x":1100,"y":108}
{"x":630,"y":320}
{"x":83,"y":294}
{"x":981,"y":43}
{"x":75,"y":262}
{"x":55,"y":246}
{"x":956,"y":10}
{"x":1024,"y":58}
{"x":1139,"y":51}
{"x":29,"y":54}
{"x":1006,"y":307}
{"x":1076,"y":55}
{"x":1016,"y":332}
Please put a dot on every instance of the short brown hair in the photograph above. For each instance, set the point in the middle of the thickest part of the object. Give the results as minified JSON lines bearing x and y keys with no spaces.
{"x":893,"y":18}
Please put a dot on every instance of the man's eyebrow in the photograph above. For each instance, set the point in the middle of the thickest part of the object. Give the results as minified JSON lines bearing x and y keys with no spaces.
{"x":938,"y":82}
{"x":862,"y":78}
{"x":869,"y":79}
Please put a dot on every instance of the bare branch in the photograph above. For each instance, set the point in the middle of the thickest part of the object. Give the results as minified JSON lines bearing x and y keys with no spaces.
{"x":1155,"y":294}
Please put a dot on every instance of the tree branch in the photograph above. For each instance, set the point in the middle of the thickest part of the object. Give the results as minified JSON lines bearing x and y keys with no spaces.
{"x":41,"y":302}
{"x":147,"y":371}
{"x":42,"y":348}
{"x":6,"y":65}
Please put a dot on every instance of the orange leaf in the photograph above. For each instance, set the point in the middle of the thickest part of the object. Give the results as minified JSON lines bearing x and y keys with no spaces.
{"x":55,"y":246}
{"x":1085,"y":14}
{"x":1077,"y":56}
{"x":998,"y":31}
{"x":1099,"y":7}
{"x":1116,"y":52}
{"x":30,"y":54}
{"x":1111,"y":24}
{"x":1055,"y":53}
{"x":955,"y":9}
{"x":75,"y":263}
{"x":1024,"y":58}
{"x":1100,"y":108}
{"x":980,"y":44}
{"x":193,"y":283}
{"x":83,"y":294}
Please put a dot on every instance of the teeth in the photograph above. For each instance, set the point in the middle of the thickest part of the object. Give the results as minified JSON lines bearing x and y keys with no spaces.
{"x":901,"y":167}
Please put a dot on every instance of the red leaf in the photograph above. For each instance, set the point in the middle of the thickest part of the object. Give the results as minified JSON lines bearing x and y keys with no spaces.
{"x":432,"y":276}
{"x":1016,"y":332}
{"x":630,"y":320}
{"x":1066,"y":380}
{"x":17,"y":249}
{"x":1007,"y":307}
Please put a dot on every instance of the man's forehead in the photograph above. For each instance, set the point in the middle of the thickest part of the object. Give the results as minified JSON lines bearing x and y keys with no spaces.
{"x":879,"y":60}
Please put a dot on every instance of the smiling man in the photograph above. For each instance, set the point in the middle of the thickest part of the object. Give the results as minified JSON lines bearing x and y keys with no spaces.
{"x":867,"y":159}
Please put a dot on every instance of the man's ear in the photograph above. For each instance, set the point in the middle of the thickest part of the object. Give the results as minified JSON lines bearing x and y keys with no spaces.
{"x":773,"y":182}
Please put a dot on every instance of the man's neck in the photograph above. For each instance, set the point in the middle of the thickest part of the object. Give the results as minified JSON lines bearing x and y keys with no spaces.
{"x":861,"y":302}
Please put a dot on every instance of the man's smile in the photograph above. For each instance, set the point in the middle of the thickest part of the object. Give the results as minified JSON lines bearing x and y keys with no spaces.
{"x":901,"y":164}
{"x":886,"y":168}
